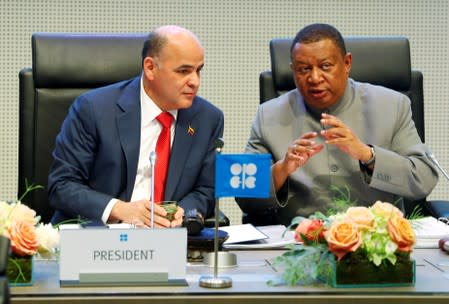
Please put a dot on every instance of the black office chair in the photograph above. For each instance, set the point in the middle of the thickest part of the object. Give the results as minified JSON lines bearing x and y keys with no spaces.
{"x":4,"y":255}
{"x":64,"y":66}
{"x":378,"y":60}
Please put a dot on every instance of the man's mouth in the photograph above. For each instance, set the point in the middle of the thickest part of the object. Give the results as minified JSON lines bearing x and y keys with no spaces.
{"x":317,"y":93}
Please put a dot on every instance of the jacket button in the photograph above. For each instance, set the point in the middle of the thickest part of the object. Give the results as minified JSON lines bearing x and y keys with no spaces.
{"x":334,"y":168}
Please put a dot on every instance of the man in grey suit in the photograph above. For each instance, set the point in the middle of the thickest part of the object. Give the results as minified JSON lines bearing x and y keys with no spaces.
{"x":101,"y":169}
{"x":333,"y":132}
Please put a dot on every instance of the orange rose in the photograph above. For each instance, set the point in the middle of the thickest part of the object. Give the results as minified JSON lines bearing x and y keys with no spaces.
{"x":343,"y":237}
{"x":313,"y":230}
{"x":23,"y":238}
{"x":401,"y":232}
{"x":385,"y":210}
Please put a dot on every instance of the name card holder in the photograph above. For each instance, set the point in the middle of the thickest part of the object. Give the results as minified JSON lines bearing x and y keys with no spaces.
{"x":122,"y":256}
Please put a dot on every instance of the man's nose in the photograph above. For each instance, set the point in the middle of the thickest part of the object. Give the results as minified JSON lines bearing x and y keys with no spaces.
{"x":194,"y":80}
{"x":315,"y":75}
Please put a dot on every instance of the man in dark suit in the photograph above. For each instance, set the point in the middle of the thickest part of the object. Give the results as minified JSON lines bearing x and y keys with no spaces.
{"x":101,"y":169}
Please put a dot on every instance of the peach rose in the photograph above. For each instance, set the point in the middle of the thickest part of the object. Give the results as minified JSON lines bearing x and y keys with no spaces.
{"x":385,"y":210}
{"x":362,"y":216}
{"x":23,"y":213}
{"x":23,"y":238}
{"x":343,"y":237}
{"x":313,"y":230}
{"x":401,"y":232}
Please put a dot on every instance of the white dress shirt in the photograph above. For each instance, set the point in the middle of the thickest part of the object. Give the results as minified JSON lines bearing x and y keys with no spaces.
{"x":150,"y":129}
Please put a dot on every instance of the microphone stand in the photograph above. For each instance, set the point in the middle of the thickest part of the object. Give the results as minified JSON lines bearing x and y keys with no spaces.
{"x":437,"y":164}
{"x":153,"y":165}
{"x":215,"y":281}
{"x":437,"y":211}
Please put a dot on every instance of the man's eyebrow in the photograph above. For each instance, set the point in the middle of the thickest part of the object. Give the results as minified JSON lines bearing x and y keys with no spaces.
{"x":299,"y":62}
{"x":320,"y":60}
{"x":185,"y":66}
{"x":188,"y":66}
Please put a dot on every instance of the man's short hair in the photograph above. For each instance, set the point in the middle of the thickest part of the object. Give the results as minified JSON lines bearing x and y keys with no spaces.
{"x":153,"y":45}
{"x":317,"y":32}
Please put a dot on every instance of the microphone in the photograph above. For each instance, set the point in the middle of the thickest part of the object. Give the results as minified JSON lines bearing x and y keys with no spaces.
{"x":443,"y":243}
{"x":219,"y":143}
{"x":436,"y":163}
{"x":153,"y":166}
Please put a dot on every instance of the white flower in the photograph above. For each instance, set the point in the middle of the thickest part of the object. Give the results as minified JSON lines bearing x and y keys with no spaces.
{"x":48,"y":238}
{"x":5,"y":211}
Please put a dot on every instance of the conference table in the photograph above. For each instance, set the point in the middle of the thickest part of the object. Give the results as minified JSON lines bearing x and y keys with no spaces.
{"x":249,"y":285}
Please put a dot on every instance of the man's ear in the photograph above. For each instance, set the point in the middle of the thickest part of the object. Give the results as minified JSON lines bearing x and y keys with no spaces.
{"x":348,"y":62}
{"x":149,"y":67}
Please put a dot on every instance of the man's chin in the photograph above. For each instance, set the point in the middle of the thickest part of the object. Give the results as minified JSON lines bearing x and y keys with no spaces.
{"x":319,"y":103}
{"x":185,"y":103}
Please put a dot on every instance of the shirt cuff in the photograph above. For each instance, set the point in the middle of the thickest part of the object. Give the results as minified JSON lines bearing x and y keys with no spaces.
{"x":108,"y":209}
{"x":366,"y":173}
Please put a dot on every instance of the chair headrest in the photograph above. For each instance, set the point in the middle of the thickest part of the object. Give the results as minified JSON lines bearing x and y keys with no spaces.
{"x":378,"y":60}
{"x":85,"y":60}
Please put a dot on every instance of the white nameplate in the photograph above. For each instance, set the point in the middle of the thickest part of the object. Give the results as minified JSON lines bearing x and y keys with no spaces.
{"x":122,"y":256}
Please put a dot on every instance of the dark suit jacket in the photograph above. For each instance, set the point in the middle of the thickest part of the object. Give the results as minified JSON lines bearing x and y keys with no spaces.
{"x":97,"y":152}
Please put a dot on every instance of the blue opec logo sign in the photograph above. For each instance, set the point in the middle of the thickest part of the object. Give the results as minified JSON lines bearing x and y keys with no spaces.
{"x":242,"y":175}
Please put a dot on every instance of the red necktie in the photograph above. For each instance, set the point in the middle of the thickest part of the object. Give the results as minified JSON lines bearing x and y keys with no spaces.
{"x":162,"y":156}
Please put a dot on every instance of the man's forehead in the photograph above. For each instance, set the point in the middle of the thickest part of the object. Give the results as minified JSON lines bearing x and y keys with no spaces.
{"x":188,"y":54}
{"x":317,"y":50}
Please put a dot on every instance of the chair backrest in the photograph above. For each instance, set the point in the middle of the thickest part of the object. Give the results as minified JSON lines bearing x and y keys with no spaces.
{"x":381,"y":60}
{"x":64,"y":66}
{"x":5,"y":249}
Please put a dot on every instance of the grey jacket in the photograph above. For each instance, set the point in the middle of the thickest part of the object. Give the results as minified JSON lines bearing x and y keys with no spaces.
{"x":379,"y":116}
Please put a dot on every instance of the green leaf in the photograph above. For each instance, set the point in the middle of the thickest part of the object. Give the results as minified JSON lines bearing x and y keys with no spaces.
{"x":295,"y":221}
{"x":302,"y":265}
{"x":276,"y":282}
{"x":319,"y":216}
{"x":417,"y":213}
{"x":342,"y":200}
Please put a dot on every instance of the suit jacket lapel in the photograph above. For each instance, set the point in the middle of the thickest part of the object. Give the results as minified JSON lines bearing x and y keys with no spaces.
{"x":128,"y":125}
{"x":180,"y":151}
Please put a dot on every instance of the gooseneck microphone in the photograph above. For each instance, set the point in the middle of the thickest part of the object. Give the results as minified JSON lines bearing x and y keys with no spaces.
{"x":443,"y":243}
{"x":153,"y":166}
{"x":436,"y":163}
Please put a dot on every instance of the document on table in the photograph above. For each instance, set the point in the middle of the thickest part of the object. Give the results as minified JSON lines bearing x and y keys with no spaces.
{"x":429,"y":231}
{"x":262,"y":237}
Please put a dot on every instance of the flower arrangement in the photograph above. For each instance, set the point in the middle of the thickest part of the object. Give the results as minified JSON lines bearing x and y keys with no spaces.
{"x":362,"y":245}
{"x":27,"y":236}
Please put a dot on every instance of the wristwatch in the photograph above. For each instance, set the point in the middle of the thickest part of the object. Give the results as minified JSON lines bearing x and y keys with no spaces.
{"x":372,"y":159}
